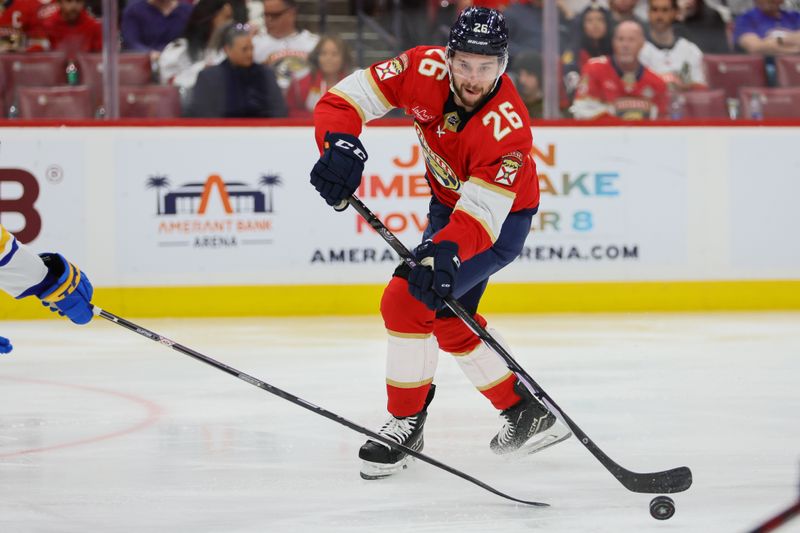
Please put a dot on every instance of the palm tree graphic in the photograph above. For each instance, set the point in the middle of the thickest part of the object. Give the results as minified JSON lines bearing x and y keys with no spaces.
{"x":269,"y":181}
{"x":157,"y":182}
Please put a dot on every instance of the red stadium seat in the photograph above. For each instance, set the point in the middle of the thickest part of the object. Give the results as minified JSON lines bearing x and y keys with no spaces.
{"x":776,"y":103}
{"x":149,"y":101}
{"x":134,"y":69}
{"x":55,"y":102}
{"x":788,"y":71}
{"x":705,"y":104}
{"x":730,"y":72}
{"x":44,"y":69}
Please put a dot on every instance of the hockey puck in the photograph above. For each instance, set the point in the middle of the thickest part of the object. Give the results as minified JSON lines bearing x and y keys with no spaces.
{"x":662,"y":508}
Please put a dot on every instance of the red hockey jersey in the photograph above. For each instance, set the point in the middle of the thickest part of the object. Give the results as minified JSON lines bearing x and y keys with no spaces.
{"x":83,"y":35}
{"x":24,"y":18}
{"x":478,"y":163}
{"x":605,"y":91}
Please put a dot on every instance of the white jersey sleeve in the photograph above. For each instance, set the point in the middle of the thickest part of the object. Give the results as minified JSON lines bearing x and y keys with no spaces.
{"x":20,"y":268}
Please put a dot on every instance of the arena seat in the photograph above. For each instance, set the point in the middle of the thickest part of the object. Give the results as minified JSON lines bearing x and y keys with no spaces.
{"x":67,"y":102}
{"x":41,"y":69}
{"x":705,"y":104}
{"x":788,"y":68}
{"x":134,"y":69}
{"x":149,"y":101}
{"x":776,"y":102}
{"x":730,"y":72}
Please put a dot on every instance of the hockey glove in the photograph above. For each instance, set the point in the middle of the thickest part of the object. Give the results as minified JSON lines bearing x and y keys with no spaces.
{"x":5,"y":345}
{"x":337,"y":174}
{"x":432,"y":280}
{"x":70,"y":291}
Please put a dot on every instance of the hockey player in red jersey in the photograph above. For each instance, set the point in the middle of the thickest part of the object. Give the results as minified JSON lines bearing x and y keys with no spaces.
{"x":475,"y":135}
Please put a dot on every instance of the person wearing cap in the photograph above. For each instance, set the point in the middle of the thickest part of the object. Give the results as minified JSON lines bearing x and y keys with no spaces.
{"x":475,"y":135}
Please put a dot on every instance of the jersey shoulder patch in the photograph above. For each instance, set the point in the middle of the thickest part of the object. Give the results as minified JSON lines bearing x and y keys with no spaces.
{"x":509,"y":165}
{"x":392,"y":67}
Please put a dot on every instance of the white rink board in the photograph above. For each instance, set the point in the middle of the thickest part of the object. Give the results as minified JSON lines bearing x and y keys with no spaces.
{"x":618,"y":204}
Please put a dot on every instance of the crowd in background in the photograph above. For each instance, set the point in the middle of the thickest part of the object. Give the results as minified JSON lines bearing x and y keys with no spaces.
{"x":633,"y":59}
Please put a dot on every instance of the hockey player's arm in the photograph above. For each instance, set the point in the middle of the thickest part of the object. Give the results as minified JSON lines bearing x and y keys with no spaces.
{"x":362,"y":96}
{"x":58,"y":283}
{"x":477,"y":217}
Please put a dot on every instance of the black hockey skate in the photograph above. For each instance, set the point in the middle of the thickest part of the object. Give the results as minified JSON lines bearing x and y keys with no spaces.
{"x":379,"y":460}
{"x":528,"y":427}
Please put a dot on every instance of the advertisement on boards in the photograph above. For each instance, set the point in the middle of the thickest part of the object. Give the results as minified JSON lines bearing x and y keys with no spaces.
{"x":42,"y":192}
{"x":610,"y":209}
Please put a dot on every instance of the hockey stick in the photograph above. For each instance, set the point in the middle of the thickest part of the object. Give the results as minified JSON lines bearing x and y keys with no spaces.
{"x":668,"y":481}
{"x":303,"y":403}
{"x":779,"y":519}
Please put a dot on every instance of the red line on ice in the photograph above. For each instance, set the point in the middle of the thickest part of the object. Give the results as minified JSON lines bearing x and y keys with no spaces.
{"x":153,"y":413}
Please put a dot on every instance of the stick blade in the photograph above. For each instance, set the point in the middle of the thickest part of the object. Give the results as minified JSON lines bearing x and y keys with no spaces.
{"x":666,"y":482}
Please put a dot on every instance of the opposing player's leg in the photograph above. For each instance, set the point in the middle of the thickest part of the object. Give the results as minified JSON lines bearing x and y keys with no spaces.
{"x":411,"y":361}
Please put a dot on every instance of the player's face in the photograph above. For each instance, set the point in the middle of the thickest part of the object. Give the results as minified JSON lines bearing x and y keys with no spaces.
{"x":473,"y":77}
{"x":661,"y":14}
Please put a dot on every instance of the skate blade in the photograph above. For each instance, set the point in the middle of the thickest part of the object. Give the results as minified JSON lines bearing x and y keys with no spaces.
{"x":555,"y":434}
{"x":371,"y":471}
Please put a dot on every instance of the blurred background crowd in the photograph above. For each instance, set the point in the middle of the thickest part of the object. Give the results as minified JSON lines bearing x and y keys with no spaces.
{"x":612,"y":59}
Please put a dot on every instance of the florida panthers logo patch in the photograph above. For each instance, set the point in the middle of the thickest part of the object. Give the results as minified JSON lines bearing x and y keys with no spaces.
{"x":508,"y":169}
{"x":391,"y":68}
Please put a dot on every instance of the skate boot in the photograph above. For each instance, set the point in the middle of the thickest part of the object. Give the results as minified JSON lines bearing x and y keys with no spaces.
{"x":380,"y":460}
{"x":528,"y":426}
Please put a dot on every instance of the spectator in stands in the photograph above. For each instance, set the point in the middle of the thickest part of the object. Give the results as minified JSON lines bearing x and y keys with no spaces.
{"x":677,"y":60}
{"x":237,"y":87}
{"x":706,"y":25}
{"x":198,"y":48}
{"x":619,"y":85}
{"x":768,"y":30}
{"x":528,"y":75}
{"x":622,"y":10}
{"x":72,"y":29}
{"x":283,"y":46}
{"x":524,"y":22}
{"x":149,"y":25}
{"x":21,"y":25}
{"x":591,"y":37}
{"x":331,"y":60}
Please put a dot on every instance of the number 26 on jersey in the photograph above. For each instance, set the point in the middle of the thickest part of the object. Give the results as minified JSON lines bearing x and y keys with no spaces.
{"x":501,"y":127}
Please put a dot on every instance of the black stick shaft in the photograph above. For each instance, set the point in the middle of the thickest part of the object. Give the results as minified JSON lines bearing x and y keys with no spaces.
{"x":302,"y":403}
{"x":669,"y":481}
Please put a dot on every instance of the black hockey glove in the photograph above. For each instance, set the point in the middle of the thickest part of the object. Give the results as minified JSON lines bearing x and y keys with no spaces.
{"x":432,"y":280}
{"x":337,"y":174}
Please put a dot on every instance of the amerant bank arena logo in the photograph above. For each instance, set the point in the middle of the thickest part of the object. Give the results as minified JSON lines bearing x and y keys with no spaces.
{"x":214,"y":213}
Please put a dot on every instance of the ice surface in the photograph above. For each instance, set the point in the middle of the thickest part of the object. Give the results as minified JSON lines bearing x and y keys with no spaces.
{"x":102,"y":430}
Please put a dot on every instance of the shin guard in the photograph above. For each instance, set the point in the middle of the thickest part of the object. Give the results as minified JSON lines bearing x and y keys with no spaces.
{"x":412,"y":353}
